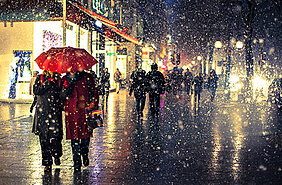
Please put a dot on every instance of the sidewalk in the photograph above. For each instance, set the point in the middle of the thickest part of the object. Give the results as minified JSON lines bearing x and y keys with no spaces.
{"x":221,"y":144}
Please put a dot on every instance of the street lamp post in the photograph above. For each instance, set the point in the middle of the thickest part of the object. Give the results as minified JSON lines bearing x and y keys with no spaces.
{"x":218,"y":45}
{"x":199,"y":58}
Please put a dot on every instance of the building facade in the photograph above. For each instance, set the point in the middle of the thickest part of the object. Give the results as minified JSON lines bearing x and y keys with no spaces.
{"x":27,"y":31}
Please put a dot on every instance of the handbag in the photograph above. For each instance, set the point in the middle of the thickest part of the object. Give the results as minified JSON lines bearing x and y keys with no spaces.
{"x":94,"y":119}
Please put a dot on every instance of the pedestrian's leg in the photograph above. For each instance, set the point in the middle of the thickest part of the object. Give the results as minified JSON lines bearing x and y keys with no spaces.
{"x":75,"y":145}
{"x":117,"y":86}
{"x":189,"y":89}
{"x":107,"y":95}
{"x":199,"y":97}
{"x":85,"y":150}
{"x":57,"y":150}
{"x":138,"y":101}
{"x":33,"y":103}
{"x":143,"y":100}
{"x":46,"y":153}
{"x":158,"y":103}
{"x":213,"y":94}
{"x":151,"y":103}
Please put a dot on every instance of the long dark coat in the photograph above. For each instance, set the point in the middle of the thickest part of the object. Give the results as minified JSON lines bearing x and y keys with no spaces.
{"x":48,"y":113}
{"x":156,"y":82}
{"x":139,"y":83}
{"x":212,"y":81}
{"x":82,"y":86}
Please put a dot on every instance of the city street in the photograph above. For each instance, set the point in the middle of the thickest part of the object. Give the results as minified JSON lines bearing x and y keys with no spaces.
{"x":219,"y":143}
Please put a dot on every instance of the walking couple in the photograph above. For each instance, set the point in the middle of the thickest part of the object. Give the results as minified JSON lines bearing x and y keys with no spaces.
{"x":154,"y":83}
{"x":74,"y":93}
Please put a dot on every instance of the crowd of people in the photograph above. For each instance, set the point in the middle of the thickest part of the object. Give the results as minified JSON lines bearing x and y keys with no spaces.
{"x":177,"y":81}
{"x":77,"y":92}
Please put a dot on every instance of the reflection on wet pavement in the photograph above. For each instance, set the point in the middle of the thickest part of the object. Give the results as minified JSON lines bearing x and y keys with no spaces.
{"x":219,"y":143}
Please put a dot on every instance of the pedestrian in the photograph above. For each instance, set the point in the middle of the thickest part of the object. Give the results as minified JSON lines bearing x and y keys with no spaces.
{"x":117,"y":78}
{"x":139,"y":86}
{"x":105,"y":84}
{"x":31,"y":83}
{"x":198,"y":87}
{"x":174,"y":80}
{"x":212,"y":83}
{"x":156,"y":87}
{"x":168,"y":81}
{"x":188,"y":79}
{"x":48,"y":118}
{"x":79,"y":91}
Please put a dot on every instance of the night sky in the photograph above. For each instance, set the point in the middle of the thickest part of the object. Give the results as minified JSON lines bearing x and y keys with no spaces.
{"x":194,"y":23}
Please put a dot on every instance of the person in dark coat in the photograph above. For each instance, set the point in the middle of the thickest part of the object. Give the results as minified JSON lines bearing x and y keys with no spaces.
{"x":198,"y":87}
{"x":48,"y":117}
{"x":212,"y":83}
{"x":31,"y":83}
{"x":79,"y":93}
{"x":156,"y":87}
{"x":105,"y":83}
{"x":188,"y":79}
{"x":139,"y":86}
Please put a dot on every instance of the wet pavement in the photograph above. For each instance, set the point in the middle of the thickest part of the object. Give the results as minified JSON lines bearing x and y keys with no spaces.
{"x":219,"y":143}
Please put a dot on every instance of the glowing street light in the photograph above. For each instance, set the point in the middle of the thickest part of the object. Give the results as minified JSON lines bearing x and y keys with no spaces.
{"x":218,"y":44}
{"x":239,"y":45}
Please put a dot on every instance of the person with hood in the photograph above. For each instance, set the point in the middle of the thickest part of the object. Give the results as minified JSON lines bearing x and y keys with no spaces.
{"x":48,"y":117}
{"x":156,"y":87}
{"x":79,"y":93}
{"x":212,"y":83}
{"x":139,"y":86}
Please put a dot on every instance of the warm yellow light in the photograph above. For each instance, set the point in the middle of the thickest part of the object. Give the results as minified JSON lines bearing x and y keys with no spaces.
{"x":261,"y":41}
{"x":193,"y":62}
{"x":218,"y":44}
{"x":199,"y":58}
{"x":239,"y":44}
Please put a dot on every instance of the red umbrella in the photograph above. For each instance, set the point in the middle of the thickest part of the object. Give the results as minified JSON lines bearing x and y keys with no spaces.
{"x":65,"y":59}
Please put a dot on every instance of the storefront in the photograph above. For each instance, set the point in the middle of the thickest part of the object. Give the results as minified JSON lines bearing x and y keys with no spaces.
{"x":23,"y":40}
{"x":22,"y":44}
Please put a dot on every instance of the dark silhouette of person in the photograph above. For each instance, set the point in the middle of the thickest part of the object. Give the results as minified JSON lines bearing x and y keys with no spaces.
{"x":31,"y":83}
{"x":78,"y":93}
{"x":48,"y":118}
{"x":139,"y":86}
{"x":188,"y":79}
{"x":198,"y":87}
{"x":212,"y":83}
{"x":117,"y":78}
{"x":156,"y":87}
{"x":105,"y":84}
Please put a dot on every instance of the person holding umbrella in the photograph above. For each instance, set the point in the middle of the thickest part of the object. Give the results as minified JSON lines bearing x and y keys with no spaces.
{"x":48,"y":118}
{"x":78,"y":93}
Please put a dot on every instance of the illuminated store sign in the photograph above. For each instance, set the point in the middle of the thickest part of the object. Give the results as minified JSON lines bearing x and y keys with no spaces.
{"x":99,"y":6}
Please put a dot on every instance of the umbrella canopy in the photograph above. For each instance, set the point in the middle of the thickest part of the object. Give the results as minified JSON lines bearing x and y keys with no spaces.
{"x":65,"y":59}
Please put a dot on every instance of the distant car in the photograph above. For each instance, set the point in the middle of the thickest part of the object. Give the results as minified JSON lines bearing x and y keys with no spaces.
{"x":275,"y":92}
